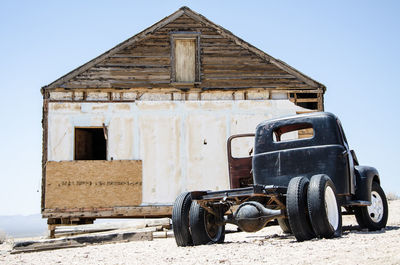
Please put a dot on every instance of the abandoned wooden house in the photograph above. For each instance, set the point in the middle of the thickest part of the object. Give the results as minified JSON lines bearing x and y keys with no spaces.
{"x":128,"y":131}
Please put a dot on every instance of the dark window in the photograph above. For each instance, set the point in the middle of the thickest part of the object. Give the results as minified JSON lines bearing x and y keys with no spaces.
{"x":308,"y":105}
{"x":307,"y":95}
{"x":90,"y":144}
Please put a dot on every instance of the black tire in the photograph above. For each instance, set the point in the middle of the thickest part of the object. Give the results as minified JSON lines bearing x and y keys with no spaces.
{"x":203,"y":226}
{"x":296,"y":205}
{"x":284,"y":224}
{"x":180,"y":220}
{"x":323,"y":207}
{"x":373,"y":217}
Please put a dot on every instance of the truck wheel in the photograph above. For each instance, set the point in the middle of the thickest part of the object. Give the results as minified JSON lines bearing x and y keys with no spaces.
{"x":373,"y":217}
{"x":204,"y":226}
{"x":284,"y":224}
{"x":180,"y":220}
{"x":296,"y":205}
{"x":324,"y":210}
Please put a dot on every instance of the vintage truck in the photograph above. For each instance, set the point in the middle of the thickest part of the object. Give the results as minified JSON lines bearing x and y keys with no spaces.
{"x":303,"y":182}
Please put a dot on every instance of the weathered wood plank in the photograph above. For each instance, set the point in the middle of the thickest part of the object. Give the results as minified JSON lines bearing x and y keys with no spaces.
{"x":147,"y":64}
{"x":141,"y":60}
{"x":185,"y":60}
{"x":300,"y":100}
{"x":81,"y":240}
{"x":110,"y":212}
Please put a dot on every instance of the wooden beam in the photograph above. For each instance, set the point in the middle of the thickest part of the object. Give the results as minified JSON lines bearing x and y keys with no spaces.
{"x":111,"y":212}
{"x":299,"y":100}
{"x":45,"y":114}
{"x":81,"y":240}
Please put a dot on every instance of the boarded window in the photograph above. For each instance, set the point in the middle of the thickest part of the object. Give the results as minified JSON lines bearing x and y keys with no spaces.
{"x":185,"y":60}
{"x":90,"y":144}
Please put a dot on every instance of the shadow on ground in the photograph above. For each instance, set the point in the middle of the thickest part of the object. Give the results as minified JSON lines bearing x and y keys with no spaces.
{"x":346,"y":230}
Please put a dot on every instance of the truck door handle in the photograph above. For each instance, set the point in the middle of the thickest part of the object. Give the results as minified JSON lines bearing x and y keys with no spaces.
{"x":345,"y":153}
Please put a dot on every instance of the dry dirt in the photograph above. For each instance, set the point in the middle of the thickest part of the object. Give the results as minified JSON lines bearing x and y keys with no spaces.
{"x":268,"y":246}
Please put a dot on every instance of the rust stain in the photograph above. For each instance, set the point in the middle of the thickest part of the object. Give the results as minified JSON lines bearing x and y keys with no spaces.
{"x":100,"y":107}
{"x":64,"y":106}
{"x":122,"y":107}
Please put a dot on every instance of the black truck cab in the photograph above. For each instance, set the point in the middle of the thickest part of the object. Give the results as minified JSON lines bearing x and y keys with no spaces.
{"x":302,"y":173}
{"x":276,"y":160}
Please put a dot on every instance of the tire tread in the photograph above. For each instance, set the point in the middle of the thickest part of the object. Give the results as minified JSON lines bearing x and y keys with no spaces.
{"x":180,"y":220}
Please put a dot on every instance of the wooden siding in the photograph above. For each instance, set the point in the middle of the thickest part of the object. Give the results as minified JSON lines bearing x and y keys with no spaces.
{"x":224,"y":64}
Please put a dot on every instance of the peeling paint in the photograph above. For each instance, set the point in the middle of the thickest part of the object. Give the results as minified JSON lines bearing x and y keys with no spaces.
{"x":182,"y":143}
{"x":156,"y":105}
{"x":122,"y":107}
{"x":97,"y":96}
{"x":99,"y":108}
{"x":217,"y":96}
{"x":64,"y":107}
{"x":61,"y":95}
{"x":78,"y":96}
{"x":257,"y":95}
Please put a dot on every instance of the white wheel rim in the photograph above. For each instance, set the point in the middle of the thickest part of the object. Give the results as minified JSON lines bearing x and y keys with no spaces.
{"x":375,"y":211}
{"x":331,"y":208}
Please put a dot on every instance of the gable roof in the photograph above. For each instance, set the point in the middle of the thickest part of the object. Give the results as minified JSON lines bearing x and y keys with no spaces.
{"x":198,"y":17}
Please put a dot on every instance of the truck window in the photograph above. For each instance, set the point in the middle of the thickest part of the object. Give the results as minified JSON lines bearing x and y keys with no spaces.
{"x":293,"y":132}
{"x":242,"y":147}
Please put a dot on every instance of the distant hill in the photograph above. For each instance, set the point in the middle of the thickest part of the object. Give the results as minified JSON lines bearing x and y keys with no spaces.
{"x":23,"y":225}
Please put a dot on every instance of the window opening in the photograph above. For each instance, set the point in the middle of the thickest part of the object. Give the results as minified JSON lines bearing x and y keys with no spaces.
{"x":308,"y":105}
{"x":242,"y":147}
{"x":293,"y":132}
{"x":90,"y":144}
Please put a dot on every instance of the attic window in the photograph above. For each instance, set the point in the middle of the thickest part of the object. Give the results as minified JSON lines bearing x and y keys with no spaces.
{"x":185,"y":57}
{"x":90,"y":144}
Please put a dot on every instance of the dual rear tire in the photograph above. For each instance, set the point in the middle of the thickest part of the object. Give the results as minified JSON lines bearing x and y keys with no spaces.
{"x":193,"y":225}
{"x":312,"y":208}
{"x":323,"y":208}
{"x":180,"y":220}
{"x":204,"y":226}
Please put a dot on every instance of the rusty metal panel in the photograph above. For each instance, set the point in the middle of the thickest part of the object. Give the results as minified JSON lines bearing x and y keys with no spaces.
{"x":240,"y":168}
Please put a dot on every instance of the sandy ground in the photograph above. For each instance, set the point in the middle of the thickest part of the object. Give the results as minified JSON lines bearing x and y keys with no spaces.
{"x":268,"y":246}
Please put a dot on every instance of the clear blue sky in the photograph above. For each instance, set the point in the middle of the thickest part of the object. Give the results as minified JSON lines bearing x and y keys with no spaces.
{"x":350,"y":46}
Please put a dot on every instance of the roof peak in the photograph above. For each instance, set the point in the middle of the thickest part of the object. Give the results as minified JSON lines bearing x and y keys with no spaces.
{"x":192,"y":14}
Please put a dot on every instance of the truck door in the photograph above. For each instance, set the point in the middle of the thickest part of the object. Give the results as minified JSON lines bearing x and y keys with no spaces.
{"x":240,"y":160}
{"x":350,"y":159}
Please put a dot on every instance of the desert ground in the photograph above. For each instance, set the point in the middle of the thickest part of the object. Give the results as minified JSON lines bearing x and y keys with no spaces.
{"x":268,"y":246}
